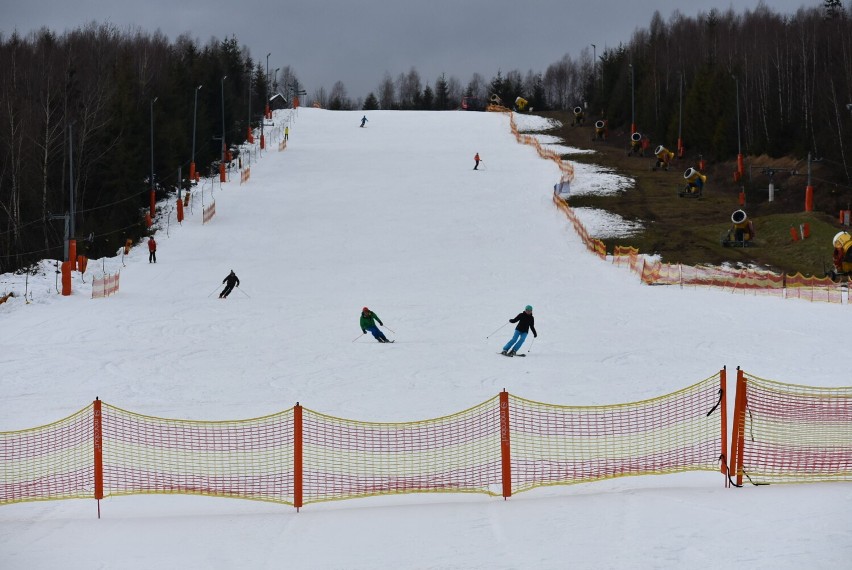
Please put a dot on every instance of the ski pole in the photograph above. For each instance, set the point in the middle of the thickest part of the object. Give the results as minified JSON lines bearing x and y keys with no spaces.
{"x":390,"y":329}
{"x":243,"y":292}
{"x":213,"y":291}
{"x":357,"y":337}
{"x":496,"y":330}
{"x":531,"y":344}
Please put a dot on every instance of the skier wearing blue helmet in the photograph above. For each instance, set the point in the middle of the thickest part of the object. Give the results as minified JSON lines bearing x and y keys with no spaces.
{"x":526,"y":323}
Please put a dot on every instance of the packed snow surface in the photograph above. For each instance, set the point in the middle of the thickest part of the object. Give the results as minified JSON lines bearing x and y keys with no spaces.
{"x":392,"y":216}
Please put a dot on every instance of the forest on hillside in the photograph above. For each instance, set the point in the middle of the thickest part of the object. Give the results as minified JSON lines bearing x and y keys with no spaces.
{"x":102,"y":110}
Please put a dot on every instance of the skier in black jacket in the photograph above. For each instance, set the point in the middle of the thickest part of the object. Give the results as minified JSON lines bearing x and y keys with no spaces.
{"x":526,"y":323}
{"x":230,"y":281}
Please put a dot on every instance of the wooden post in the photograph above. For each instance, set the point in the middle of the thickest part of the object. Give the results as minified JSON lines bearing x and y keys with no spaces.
{"x":97,"y":432}
{"x":738,"y":438}
{"x":297,"y":456}
{"x":505,"y":445}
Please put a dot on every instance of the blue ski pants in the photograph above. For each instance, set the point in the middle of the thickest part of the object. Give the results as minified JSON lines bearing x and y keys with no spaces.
{"x":376,"y":332}
{"x":517,"y":340}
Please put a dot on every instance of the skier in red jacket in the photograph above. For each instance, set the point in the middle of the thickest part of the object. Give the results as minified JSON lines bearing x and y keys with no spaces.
{"x":152,"y":250}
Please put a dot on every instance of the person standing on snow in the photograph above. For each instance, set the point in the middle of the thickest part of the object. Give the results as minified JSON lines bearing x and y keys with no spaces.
{"x":477,"y":160}
{"x":368,"y":323}
{"x":152,"y":250}
{"x":526,"y":323}
{"x":363,"y":120}
{"x":286,"y":133}
{"x":231,"y":281}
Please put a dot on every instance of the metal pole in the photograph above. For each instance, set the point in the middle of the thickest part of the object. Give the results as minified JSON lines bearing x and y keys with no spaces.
{"x":739,"y":173}
{"x":632,"y":98}
{"x":154,"y":100}
{"x":194,"y":115}
{"x":594,"y":67}
{"x":223,"y":120}
{"x":680,"y":120}
{"x":69,"y":224}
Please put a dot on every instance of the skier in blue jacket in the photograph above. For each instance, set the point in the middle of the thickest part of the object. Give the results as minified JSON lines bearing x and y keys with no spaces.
{"x":526,"y":323}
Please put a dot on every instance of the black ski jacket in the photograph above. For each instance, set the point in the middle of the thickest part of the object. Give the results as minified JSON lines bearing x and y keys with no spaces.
{"x":525,"y":323}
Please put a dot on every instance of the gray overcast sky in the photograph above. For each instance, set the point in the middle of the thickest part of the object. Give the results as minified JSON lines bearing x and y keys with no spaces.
{"x":356,"y":42}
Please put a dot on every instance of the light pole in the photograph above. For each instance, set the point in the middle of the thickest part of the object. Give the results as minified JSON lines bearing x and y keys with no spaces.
{"x":740,"y":166}
{"x":680,"y":149}
{"x":594,"y":67}
{"x":266,"y":95}
{"x":250,"y":133}
{"x":632,"y":98}
{"x":222,"y":162}
{"x":153,"y":196}
{"x":194,"y":115}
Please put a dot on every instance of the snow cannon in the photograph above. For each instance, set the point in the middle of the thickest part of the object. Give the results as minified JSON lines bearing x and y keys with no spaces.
{"x":496,"y":99}
{"x":579,"y":116}
{"x":695,"y":178}
{"x":842,"y":253}
{"x":664,"y":157}
{"x":636,"y":138}
{"x":600,"y":130}
{"x":743,"y":228}
{"x":521,"y":103}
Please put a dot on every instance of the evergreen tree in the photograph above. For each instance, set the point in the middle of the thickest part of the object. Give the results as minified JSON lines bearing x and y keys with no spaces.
{"x":371,"y":103}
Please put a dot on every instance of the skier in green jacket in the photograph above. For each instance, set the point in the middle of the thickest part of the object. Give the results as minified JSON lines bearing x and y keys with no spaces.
{"x":368,"y":323}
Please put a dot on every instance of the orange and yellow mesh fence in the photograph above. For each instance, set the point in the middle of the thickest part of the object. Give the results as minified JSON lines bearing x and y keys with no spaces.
{"x":502,"y":446}
{"x":787,"y":433}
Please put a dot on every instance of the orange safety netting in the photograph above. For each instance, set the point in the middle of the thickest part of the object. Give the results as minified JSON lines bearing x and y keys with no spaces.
{"x":247,"y":459}
{"x":344,"y":459}
{"x":785,"y":433}
{"x":557,"y":445}
{"x":54,"y":461}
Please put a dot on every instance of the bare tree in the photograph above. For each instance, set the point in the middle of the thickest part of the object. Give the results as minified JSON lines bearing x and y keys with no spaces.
{"x":387,"y":92}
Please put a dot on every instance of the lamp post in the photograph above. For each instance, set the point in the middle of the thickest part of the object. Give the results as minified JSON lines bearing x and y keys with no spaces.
{"x":680,"y":149}
{"x":222,"y":162}
{"x":266,"y":96}
{"x":194,"y":115}
{"x":740,"y":166}
{"x":250,"y":136}
{"x":594,"y":67}
{"x":153,"y":196}
{"x":632,"y":98}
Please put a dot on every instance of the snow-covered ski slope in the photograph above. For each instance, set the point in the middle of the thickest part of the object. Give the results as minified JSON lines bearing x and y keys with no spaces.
{"x":393,"y":216}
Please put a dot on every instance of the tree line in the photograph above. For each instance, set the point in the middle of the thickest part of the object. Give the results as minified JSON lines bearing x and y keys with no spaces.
{"x":81,"y":108}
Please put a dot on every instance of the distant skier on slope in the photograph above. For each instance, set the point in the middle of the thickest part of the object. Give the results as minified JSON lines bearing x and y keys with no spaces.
{"x":477,"y":160}
{"x":363,"y":120}
{"x":526,"y":322}
{"x":368,"y":323}
{"x":152,"y":250}
{"x":231,"y":280}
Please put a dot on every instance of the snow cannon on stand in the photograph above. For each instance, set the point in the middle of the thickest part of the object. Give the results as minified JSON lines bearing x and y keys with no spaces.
{"x":694,"y":184}
{"x":664,"y":158}
{"x":600,"y":131}
{"x":842,"y":257}
{"x":741,"y":233}
{"x":579,"y":116}
{"x":635,"y":145}
{"x":521,"y":103}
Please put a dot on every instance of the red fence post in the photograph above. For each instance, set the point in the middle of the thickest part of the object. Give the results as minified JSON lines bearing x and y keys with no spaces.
{"x":297,"y":456}
{"x":97,"y":432}
{"x":505,"y":444}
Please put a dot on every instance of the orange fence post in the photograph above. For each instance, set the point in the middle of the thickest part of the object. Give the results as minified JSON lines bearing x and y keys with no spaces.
{"x":179,"y":210}
{"x":505,"y":445}
{"x":794,"y":234}
{"x":97,"y":432}
{"x":809,"y":198}
{"x":297,"y":456}
{"x":738,"y":437}
{"x":723,"y":383}
{"x":66,"y":278}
